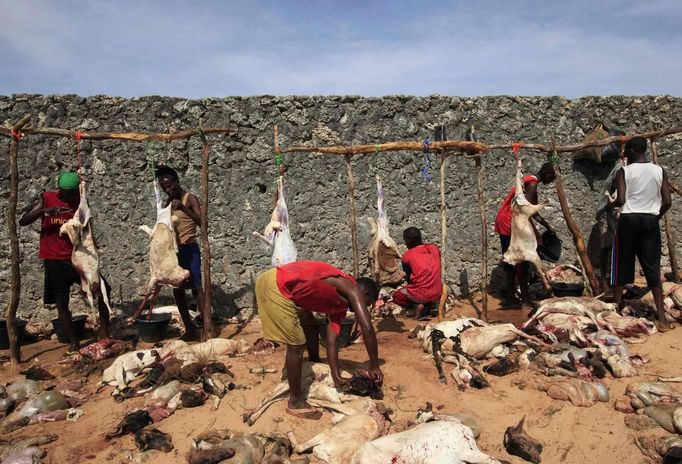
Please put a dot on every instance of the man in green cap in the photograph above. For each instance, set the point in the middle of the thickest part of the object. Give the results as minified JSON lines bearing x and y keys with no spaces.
{"x":55,"y":209}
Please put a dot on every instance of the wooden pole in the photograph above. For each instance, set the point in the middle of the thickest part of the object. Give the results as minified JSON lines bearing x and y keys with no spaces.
{"x":205,"y":247}
{"x":484,"y":239}
{"x":15,"y":285}
{"x":353,"y":220}
{"x":131,"y":136}
{"x":578,"y":238}
{"x":443,"y":238}
{"x":669,"y":233}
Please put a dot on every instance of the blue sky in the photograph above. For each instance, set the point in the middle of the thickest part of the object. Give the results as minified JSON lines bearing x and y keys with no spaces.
{"x":220,"y":48}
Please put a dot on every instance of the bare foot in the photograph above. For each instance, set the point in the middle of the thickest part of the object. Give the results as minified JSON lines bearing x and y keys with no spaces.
{"x":303,"y":410}
{"x":664,"y":326}
{"x":191,"y":335}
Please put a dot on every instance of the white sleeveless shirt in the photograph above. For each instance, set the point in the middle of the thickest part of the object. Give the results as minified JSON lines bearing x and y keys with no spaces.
{"x":642,"y":188}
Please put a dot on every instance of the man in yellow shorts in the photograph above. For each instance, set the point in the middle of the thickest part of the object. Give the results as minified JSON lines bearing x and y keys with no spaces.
{"x":287,"y":296}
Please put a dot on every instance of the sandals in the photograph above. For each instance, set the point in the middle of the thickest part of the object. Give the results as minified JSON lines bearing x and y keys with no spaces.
{"x":305,"y":413}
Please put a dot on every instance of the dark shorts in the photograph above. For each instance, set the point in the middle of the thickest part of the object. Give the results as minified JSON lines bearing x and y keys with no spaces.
{"x":189,"y":257}
{"x":637,"y":235}
{"x":60,"y":275}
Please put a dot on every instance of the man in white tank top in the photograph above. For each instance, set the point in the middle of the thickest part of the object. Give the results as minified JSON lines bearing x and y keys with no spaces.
{"x":644,"y":197}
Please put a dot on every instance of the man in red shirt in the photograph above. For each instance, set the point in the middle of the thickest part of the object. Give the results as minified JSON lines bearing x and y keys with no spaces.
{"x":287,"y":296}
{"x":421,"y":263}
{"x":503,"y":228}
{"x":55,"y":209}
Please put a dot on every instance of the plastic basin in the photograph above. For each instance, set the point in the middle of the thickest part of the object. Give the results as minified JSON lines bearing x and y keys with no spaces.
{"x":549,"y":248}
{"x":153,"y":330}
{"x":564,"y":289}
{"x":78,"y":328}
{"x":4,"y":336}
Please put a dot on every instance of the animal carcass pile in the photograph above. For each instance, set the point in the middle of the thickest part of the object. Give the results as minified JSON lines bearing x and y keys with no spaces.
{"x":164,"y":268}
{"x":575,"y":340}
{"x":383,"y":253}
{"x":276,"y":234}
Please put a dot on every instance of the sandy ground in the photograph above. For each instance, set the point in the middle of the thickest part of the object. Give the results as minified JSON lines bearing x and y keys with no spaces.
{"x":570,"y":434}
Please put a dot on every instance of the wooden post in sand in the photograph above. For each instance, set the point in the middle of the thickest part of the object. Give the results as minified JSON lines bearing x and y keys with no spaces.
{"x":353,"y":220}
{"x":205,"y":247}
{"x":669,"y":233}
{"x":15,"y":285}
{"x":484,"y":238}
{"x":443,"y":238}
{"x":578,"y":238}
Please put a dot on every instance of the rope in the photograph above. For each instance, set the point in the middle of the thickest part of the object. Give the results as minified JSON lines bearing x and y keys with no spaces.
{"x":552,"y":156}
{"x":515,"y":148}
{"x":425,"y":172}
{"x":18,"y":135}
{"x":374,"y":171}
{"x":78,"y":135}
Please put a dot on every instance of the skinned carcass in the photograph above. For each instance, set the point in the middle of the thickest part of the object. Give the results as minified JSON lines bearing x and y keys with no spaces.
{"x":431,"y":443}
{"x":616,"y":353}
{"x":626,"y":326}
{"x":573,"y":305}
{"x":318,"y":388}
{"x":338,"y":444}
{"x":383,"y":253}
{"x":127,"y":366}
{"x":85,"y":257}
{"x":276,"y":234}
{"x":163,"y":261}
{"x":523,"y":245}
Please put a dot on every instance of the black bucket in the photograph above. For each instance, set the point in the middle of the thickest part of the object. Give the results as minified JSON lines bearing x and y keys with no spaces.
{"x":153,"y":330}
{"x":343,"y":339}
{"x":4,"y":336}
{"x":549,"y":248}
{"x":564,"y":289}
{"x":78,"y":328}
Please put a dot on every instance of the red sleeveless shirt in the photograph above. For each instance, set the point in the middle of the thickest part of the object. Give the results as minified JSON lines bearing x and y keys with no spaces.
{"x":53,"y":245}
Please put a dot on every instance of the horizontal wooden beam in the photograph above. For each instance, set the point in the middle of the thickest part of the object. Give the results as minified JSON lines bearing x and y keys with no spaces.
{"x":472,"y":147}
{"x":130,"y":136}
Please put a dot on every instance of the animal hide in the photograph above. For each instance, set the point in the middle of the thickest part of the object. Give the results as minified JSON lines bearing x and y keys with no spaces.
{"x":383,"y":253}
{"x":276,"y":234}
{"x":524,"y":244}
{"x":163,"y":261}
{"x":338,"y":444}
{"x":318,"y":388}
{"x":431,"y":443}
{"x":85,"y":257}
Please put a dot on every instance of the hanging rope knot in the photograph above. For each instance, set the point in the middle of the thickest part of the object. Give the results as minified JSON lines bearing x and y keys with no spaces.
{"x":425,"y":173}
{"x":278,"y":159}
{"x":78,"y":135}
{"x":18,"y":135}
{"x":516,"y":147}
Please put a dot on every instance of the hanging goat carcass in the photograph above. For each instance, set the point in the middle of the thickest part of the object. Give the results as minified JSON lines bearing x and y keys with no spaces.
{"x":276,"y":234}
{"x":383,"y":253}
{"x":85,"y":257}
{"x":524,"y":244}
{"x":163,"y":260}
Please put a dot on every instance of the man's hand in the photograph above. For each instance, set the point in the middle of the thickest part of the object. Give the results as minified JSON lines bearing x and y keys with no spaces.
{"x":340,"y":381}
{"x":376,"y":375}
{"x":177,"y":205}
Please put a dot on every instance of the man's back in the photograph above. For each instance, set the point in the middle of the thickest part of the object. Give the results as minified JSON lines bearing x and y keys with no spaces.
{"x":642,"y":188}
{"x":422,"y":263}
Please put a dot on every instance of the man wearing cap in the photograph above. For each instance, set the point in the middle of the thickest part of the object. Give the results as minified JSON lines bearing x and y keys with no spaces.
{"x":55,"y":209}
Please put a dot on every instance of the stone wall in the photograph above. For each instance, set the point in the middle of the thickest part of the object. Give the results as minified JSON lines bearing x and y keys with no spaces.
{"x":242,"y":173}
